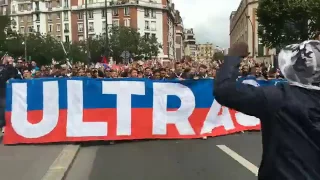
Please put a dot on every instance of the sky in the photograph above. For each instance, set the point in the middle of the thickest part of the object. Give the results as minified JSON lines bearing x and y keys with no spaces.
{"x":208,"y":18}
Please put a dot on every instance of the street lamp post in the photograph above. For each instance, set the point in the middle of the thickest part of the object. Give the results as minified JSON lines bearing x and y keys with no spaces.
{"x":87,"y":33}
{"x":107,"y":35}
{"x":253,"y":38}
{"x":25,"y":45}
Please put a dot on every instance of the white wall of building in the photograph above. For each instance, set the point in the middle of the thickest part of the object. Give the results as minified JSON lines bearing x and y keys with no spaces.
{"x":159,"y":26}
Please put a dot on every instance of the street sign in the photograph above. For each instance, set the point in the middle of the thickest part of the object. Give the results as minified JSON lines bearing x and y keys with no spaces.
{"x":125,"y":55}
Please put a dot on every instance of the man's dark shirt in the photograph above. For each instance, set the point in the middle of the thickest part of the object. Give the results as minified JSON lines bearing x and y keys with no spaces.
{"x":6,"y":72}
{"x":290,"y":123}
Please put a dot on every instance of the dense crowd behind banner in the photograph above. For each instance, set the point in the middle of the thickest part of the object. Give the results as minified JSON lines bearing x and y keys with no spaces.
{"x":85,"y":109}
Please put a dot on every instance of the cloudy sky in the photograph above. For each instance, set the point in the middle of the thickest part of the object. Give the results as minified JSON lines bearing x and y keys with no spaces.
{"x":208,"y":18}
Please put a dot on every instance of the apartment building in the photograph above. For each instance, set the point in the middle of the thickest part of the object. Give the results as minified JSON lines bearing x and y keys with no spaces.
{"x":4,"y":7}
{"x":190,"y":43}
{"x":179,"y":44}
{"x":244,"y":28}
{"x":66,"y":19}
{"x":204,"y":51}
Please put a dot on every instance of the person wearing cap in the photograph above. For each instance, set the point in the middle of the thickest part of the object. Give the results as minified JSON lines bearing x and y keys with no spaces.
{"x":289,"y":112}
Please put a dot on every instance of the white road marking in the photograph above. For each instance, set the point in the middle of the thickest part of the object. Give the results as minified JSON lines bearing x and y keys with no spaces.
{"x":247,"y":164}
{"x":62,"y":163}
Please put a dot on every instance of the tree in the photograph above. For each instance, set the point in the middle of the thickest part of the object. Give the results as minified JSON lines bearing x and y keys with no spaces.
{"x":4,"y":24}
{"x":129,"y":39}
{"x":218,"y":56}
{"x":123,"y":39}
{"x":75,"y":51}
{"x":286,"y":22}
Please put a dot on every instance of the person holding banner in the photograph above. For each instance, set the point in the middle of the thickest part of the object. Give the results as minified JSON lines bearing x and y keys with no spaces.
{"x":289,"y":112}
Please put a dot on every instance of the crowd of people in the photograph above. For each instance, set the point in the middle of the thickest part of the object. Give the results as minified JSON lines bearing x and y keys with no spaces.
{"x":151,"y":69}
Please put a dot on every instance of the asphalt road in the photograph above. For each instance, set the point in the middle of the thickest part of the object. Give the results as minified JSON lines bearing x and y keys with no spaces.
{"x":26,"y":162}
{"x":170,"y":159}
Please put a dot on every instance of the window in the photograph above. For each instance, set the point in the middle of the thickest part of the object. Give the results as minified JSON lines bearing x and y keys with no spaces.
{"x":80,"y":15}
{"x":103,"y":26}
{"x":126,"y":11}
{"x":115,"y":12}
{"x":90,"y":14}
{"x":20,"y":7}
{"x":30,"y":28}
{"x":146,"y":13}
{"x":50,"y":28}
{"x":153,"y":13}
{"x":67,"y":38}
{"x":66,"y":16}
{"x":37,"y":6}
{"x":146,"y":25}
{"x":147,"y":35}
{"x":66,"y":27}
{"x":49,"y":17}
{"x":37,"y":17}
{"x":80,"y":37}
{"x":13,"y":8}
{"x":21,"y":29}
{"x":80,"y":27}
{"x":49,"y":4}
{"x":58,"y":15}
{"x":66,"y":4}
{"x":153,"y":26}
{"x":127,"y":22}
{"x":115,"y":22}
{"x":29,"y":7}
{"x":154,"y":35}
{"x":58,"y":5}
{"x":103,"y":13}
{"x":91,"y":27}
{"x":38,"y":28}
{"x":58,"y":27}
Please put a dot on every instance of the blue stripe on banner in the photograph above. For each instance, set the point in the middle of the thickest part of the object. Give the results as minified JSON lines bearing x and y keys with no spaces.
{"x":93,"y":97}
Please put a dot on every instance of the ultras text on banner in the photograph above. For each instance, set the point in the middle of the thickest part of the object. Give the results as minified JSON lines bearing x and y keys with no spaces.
{"x":83,"y":109}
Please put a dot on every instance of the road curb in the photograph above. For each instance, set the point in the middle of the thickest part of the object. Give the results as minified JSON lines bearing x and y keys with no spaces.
{"x":59,"y":168}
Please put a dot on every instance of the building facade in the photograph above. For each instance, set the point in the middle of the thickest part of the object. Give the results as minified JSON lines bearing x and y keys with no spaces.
{"x":190,"y":43}
{"x":4,"y":7}
{"x":204,"y":51}
{"x":66,"y":19}
{"x":179,"y":45}
{"x":244,"y":27}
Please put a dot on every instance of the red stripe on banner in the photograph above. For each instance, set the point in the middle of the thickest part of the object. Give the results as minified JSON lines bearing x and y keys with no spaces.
{"x":141,"y":126}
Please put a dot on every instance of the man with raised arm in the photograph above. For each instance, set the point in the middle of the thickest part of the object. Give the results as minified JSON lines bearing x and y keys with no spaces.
{"x":289,"y":112}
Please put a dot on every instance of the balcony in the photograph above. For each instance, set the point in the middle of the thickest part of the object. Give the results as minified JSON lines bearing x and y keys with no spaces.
{"x":190,"y":39}
{"x":66,"y":31}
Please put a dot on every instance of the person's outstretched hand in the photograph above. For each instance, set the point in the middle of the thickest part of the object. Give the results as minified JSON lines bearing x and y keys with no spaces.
{"x":239,"y":49}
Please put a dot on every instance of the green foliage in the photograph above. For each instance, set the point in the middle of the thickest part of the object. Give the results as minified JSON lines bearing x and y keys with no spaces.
{"x":4,"y":24}
{"x":129,"y":39}
{"x":42,"y":48}
{"x":218,"y":56}
{"x":284,"y":22}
